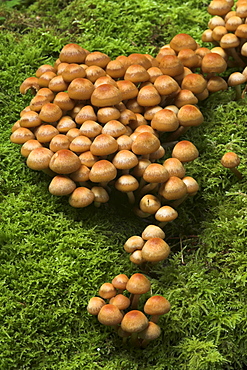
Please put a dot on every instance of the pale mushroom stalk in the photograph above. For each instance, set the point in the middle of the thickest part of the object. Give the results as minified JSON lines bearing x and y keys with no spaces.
{"x":140,"y":214}
{"x":177,"y":202}
{"x":176,"y":134}
{"x":169,"y":144}
{"x":131,"y":197}
{"x":162,"y":224}
{"x":147,"y":188}
{"x":236,"y":57}
{"x":134,"y":298}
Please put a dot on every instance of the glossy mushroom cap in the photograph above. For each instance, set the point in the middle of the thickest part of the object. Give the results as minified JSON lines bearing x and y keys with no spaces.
{"x":152,"y":231}
{"x":121,"y":301}
{"x":102,"y":171}
{"x":152,"y":332}
{"x":174,"y":167}
{"x":166,"y":214}
{"x":185,"y":151}
{"x":120,"y":281}
{"x":110,"y":315}
{"x":174,"y":188}
{"x":157,"y":305}
{"x":138,"y":284}
{"x":64,"y":162}
{"x":155,"y":250}
{"x":183,"y":41}
{"x":61,"y":185}
{"x":133,"y":243}
{"x":81,"y":197}
{"x":107,"y":290}
{"x":94,"y":305}
{"x":106,"y":95}
{"x":230,"y":160}
{"x":134,"y":321}
{"x":72,"y":53}
{"x":39,"y":159}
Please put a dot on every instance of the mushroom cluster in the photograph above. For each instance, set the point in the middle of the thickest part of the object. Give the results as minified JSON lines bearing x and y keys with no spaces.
{"x":117,"y":307}
{"x":227,"y":31}
{"x":149,"y":247}
{"x":96,"y":123}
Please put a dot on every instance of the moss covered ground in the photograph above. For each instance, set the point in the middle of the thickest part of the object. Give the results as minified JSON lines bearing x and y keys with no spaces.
{"x":54,"y":258}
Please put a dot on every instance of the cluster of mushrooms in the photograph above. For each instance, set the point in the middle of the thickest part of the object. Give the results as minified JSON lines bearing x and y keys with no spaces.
{"x":227,"y":31}
{"x":95,"y":124}
{"x":149,"y":247}
{"x":120,"y":311}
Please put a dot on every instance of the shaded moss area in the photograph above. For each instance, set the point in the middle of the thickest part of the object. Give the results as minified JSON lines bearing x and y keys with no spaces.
{"x":54,"y":258}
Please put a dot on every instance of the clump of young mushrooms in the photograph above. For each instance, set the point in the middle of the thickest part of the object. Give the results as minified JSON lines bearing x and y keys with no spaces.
{"x":118,"y":306}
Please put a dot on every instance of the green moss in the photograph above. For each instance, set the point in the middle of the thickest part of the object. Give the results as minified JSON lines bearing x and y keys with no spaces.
{"x":54,"y":258}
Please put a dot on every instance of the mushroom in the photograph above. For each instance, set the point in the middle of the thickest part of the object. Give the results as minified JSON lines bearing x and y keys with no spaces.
{"x":110,"y":315}
{"x":149,"y":204}
{"x":137,"y":285}
{"x":136,"y":257}
{"x":81,"y":197}
{"x":134,"y":322}
{"x":127,"y":184}
{"x":107,"y":290}
{"x":156,"y":306}
{"x":121,"y":301}
{"x":86,"y":113}
{"x":166,"y":214}
{"x":94,"y":305}
{"x":102,"y":172}
{"x":236,"y":79}
{"x":64,"y":161}
{"x":72,"y":53}
{"x":61,"y":185}
{"x":153,"y":174}
{"x":231,"y":160}
{"x":135,"y":242}
{"x":155,"y":250}
{"x":120,"y":282}
{"x":152,"y":231}
{"x":100,"y":195}
{"x":185,"y":151}
{"x":152,"y":332}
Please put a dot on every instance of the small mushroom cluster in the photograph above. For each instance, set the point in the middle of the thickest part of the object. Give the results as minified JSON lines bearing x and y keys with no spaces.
{"x":96,"y":123}
{"x":227,"y":31}
{"x":149,"y":247}
{"x":117,"y":307}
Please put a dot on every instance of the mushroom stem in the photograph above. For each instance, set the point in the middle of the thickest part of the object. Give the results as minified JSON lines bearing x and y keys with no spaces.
{"x":134,"y":339}
{"x":169,"y":144}
{"x":154,"y":318}
{"x":237,"y":173}
{"x":131,"y":197}
{"x":238,"y":91}
{"x":134,"y":298}
{"x":177,"y":202}
{"x":181,"y":130}
{"x":141,"y":214}
{"x":145,"y":343}
{"x":49,"y":172}
{"x":162,"y":224}
{"x":147,"y":188}
{"x":236,"y":57}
